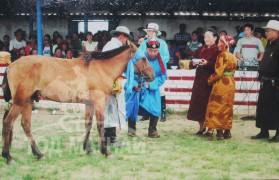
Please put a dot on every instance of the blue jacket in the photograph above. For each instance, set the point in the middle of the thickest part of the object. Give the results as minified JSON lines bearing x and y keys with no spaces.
{"x":150,"y":98}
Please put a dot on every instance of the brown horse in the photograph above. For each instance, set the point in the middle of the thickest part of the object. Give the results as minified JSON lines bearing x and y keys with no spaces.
{"x":71,"y":81}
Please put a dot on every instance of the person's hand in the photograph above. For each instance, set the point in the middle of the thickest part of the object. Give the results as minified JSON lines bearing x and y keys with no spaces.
{"x":203,"y":62}
{"x":147,"y":85}
{"x":140,"y":40}
{"x":193,"y":64}
{"x":137,"y":88}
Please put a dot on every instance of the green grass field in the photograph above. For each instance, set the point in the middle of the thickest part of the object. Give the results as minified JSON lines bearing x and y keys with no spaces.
{"x":178,"y":154}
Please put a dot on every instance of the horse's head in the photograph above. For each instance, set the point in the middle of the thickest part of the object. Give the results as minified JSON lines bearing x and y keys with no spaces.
{"x":142,"y":65}
{"x":143,"y":69}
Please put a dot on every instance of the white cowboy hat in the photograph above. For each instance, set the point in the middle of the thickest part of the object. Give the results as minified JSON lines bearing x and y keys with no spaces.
{"x":272,"y":24}
{"x":152,"y":26}
{"x":122,"y":29}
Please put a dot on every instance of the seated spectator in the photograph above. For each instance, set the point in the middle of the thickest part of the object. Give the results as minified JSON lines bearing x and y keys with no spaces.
{"x":6,"y":43}
{"x":192,"y":46}
{"x":55,"y":35}
{"x":31,"y":44}
{"x":174,"y":54}
{"x":89,"y":45}
{"x":76,"y":45}
{"x":260,"y":33}
{"x":200,"y":34}
{"x":69,"y":54}
{"x":163,"y":35}
{"x":58,"y":43}
{"x":17,"y":43}
{"x":223,"y":33}
{"x":47,"y":51}
{"x":58,"y":53}
{"x":182,"y":37}
{"x":141,"y":33}
{"x":34,"y":52}
{"x":64,"y":47}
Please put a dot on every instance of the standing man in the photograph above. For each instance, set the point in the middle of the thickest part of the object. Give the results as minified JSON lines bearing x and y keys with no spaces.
{"x":150,"y":100}
{"x":152,"y":32}
{"x":267,"y":116}
{"x":249,"y":47}
{"x":119,"y":38}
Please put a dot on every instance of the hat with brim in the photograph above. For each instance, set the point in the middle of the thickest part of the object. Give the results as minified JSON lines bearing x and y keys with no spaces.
{"x":272,"y":24}
{"x":122,"y":30}
{"x":153,"y":27}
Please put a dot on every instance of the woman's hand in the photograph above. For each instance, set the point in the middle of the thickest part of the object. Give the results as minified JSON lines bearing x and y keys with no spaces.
{"x":193,"y":64}
{"x":203,"y":62}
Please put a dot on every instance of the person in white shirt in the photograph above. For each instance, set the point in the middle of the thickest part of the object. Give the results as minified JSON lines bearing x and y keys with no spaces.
{"x":249,"y":47}
{"x":119,"y":38}
{"x":18,"y":42}
{"x":89,"y":45}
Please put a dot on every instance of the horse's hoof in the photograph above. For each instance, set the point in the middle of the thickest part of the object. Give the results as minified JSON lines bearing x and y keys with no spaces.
{"x":89,"y":151}
{"x":10,"y":161}
{"x":110,"y":156}
{"x":41,"y":157}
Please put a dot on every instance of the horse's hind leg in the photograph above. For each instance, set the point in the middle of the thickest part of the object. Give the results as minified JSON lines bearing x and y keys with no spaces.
{"x":100,"y":126}
{"x":26,"y":124}
{"x":8,"y":124}
{"x":88,"y":125}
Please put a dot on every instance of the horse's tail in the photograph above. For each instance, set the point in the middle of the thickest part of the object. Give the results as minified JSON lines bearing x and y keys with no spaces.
{"x":6,"y":88}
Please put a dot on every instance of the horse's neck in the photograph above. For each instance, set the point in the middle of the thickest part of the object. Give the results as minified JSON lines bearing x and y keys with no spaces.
{"x":116,"y":65}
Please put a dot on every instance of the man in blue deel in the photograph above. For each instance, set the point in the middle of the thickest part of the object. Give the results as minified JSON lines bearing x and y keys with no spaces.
{"x":149,"y":94}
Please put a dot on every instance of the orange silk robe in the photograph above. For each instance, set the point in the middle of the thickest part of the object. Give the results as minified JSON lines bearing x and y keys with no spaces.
{"x":219,"y":112}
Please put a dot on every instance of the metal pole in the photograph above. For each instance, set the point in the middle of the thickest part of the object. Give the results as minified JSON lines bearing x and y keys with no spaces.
{"x":86,"y":16}
{"x":39,"y":28}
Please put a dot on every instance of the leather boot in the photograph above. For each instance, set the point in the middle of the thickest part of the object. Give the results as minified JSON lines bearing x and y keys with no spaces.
{"x":113,"y":138}
{"x":131,"y":128}
{"x":107,"y":135}
{"x":263,"y":134}
{"x":227,"y":134}
{"x":275,"y":138}
{"x":152,"y":130}
{"x":219,"y":135}
{"x":163,"y":108}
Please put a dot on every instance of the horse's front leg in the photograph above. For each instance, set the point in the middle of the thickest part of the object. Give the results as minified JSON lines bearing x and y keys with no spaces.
{"x":89,"y":111}
{"x":100,"y":126}
{"x":8,"y":124}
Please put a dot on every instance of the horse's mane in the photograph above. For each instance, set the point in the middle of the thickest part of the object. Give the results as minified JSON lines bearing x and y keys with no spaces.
{"x":104,"y":55}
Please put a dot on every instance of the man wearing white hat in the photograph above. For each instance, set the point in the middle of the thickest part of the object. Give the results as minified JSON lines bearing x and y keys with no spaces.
{"x":115,"y":112}
{"x":152,"y":31}
{"x":267,"y":116}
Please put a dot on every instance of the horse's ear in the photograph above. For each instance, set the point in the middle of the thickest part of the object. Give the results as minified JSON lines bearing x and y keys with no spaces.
{"x":128,"y":42}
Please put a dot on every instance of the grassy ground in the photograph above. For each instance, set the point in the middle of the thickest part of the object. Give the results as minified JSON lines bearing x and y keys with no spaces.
{"x":178,"y":154}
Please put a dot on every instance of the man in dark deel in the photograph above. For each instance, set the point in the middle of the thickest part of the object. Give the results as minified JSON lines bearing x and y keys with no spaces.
{"x":268,"y":102}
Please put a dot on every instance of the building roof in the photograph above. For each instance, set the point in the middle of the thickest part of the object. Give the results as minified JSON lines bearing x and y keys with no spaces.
{"x":214,"y":9}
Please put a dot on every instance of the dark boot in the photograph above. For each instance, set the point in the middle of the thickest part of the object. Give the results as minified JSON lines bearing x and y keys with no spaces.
{"x":275,"y":138}
{"x":263,"y":134}
{"x":107,"y":135}
{"x":113,"y":138}
{"x":152,"y":130}
{"x":220,"y":135}
{"x":131,"y":128}
{"x":110,"y":136}
{"x":227,"y":134}
{"x":163,"y":109}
